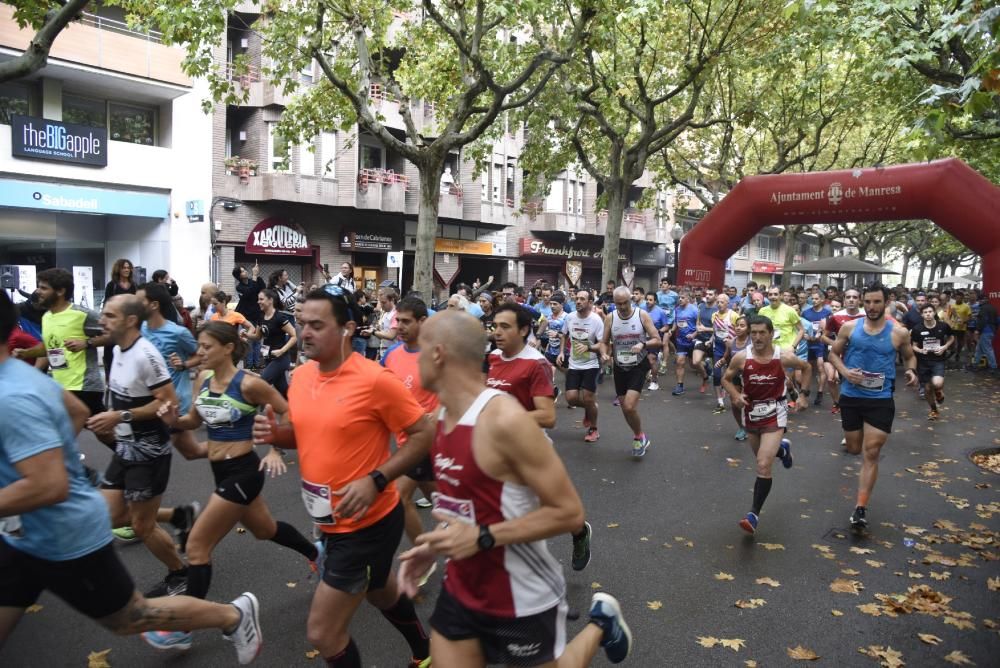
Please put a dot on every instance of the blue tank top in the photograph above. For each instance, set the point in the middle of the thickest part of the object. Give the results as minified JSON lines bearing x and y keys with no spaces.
{"x":227,"y":416}
{"x":875,"y":355}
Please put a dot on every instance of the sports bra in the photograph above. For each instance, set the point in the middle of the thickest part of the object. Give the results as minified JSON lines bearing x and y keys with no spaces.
{"x":227,"y":416}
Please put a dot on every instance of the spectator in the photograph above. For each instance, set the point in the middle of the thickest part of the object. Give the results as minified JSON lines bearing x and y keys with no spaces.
{"x":278,"y":281}
{"x":345,"y":278}
{"x":248,"y":287}
{"x":122,"y":282}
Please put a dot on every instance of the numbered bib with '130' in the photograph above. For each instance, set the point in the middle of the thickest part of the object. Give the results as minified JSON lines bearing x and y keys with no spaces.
{"x":316,"y":499}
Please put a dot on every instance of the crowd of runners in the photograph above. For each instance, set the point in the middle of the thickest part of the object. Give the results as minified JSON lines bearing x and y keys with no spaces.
{"x":381,"y":396}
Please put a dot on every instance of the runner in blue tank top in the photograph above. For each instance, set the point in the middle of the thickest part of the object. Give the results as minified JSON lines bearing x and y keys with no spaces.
{"x":865,"y":355}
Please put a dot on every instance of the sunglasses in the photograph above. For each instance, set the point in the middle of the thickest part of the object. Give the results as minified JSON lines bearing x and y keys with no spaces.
{"x":346,"y":298}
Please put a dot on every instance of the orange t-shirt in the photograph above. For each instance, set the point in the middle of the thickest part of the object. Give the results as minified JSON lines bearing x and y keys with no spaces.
{"x":342,"y":421}
{"x":405,"y":363}
{"x":234,"y":318}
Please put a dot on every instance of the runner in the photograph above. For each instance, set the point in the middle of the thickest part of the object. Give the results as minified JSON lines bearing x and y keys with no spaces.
{"x":276,"y":333}
{"x":703,"y":347}
{"x":342,"y":409}
{"x":628,"y":334}
{"x":761,"y":395}
{"x":555,"y":324}
{"x":786,"y":322}
{"x":226,"y":404}
{"x":960,"y":315}
{"x":220,"y":308}
{"x":851,"y":311}
{"x":503,"y":599}
{"x":931,"y":342}
{"x":659,"y":318}
{"x":817,"y":314}
{"x":581,"y":335}
{"x":724,"y":325}
{"x":65,"y":546}
{"x":402,"y":359}
{"x":137,"y":476}
{"x":684,"y":331}
{"x":739,"y":343}
{"x":865,"y":355}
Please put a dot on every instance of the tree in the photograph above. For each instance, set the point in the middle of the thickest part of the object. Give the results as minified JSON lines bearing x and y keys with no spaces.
{"x":48,"y":18}
{"x":635,"y":89}
{"x":472,"y":60}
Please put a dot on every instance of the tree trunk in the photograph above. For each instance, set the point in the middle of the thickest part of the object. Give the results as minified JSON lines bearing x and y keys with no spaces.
{"x":920,"y":276}
{"x":825,"y":246}
{"x":613,"y":234}
{"x":906,"y":267}
{"x":791,"y":234}
{"x":427,"y":221}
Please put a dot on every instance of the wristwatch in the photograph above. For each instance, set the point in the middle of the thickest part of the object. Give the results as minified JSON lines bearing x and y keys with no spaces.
{"x":486,"y":540}
{"x":126,"y":416}
{"x":380,"y":480}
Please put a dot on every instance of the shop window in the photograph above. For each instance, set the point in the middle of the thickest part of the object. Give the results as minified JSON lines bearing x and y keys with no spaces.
{"x":277,"y":149}
{"x":85,"y":111}
{"x":14,"y":101}
{"x":328,"y":148}
{"x":136,"y":125}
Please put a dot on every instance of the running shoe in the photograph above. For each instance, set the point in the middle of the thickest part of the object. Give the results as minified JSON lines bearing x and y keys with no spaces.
{"x":818,"y":401}
{"x":167,"y":640}
{"x":785,"y":453}
{"x":592,"y":435}
{"x":607,"y":614}
{"x":420,"y":663}
{"x":719,"y":409}
{"x":423,"y":502}
{"x":188,"y":514}
{"x":663,"y":368}
{"x":939,"y":396}
{"x":704,"y":386}
{"x":749,"y":523}
{"x":639,"y":446}
{"x":174,"y":584}
{"x":678,"y":390}
{"x":923,"y":393}
{"x":125,"y":534}
{"x":933,"y":415}
{"x":653,"y":387}
{"x":617,"y":401}
{"x":836,"y":408}
{"x":581,"y":548}
{"x":741,"y":434}
{"x":555,"y":389}
{"x":247,"y":635}
{"x":859,"y":519}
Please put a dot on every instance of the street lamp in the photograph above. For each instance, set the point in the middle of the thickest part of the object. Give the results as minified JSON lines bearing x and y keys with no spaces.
{"x":229,"y":204}
{"x":676,"y":232}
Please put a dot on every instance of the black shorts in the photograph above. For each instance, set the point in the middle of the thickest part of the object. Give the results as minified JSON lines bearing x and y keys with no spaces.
{"x":422,"y":472}
{"x":581,"y":379}
{"x":927,"y":369}
{"x":632,"y":378}
{"x":361,"y":561}
{"x":518,"y":641}
{"x":239,"y":480}
{"x":855,"y":411}
{"x":553,"y":359}
{"x":140,"y":481}
{"x":704,"y":346}
{"x":94,"y":401}
{"x":96,"y":584}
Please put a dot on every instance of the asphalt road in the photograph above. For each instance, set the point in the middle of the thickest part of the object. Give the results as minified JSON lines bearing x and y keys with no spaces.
{"x":666,"y":543}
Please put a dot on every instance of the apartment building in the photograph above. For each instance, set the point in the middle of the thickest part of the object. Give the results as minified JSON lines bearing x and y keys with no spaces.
{"x":104,"y":154}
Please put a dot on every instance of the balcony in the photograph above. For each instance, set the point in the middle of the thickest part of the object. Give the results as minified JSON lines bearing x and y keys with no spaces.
{"x":282,"y":186}
{"x":381,"y":189}
{"x":634,"y":222}
{"x":558,"y":221}
{"x":450,"y":205}
{"x":106,"y":44}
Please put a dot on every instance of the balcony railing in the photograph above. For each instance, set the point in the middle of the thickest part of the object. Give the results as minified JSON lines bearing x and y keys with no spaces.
{"x":382,"y":176}
{"x":378,"y":93}
{"x":104,"y":23}
{"x":250,"y":75}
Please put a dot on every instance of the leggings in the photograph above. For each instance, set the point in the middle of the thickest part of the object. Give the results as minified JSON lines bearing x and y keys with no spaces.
{"x":274,"y":373}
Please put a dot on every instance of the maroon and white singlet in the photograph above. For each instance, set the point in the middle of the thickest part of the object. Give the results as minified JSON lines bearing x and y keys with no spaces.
{"x":837,"y":320}
{"x":764,"y":385}
{"x":509,"y":580}
{"x":525,"y":376}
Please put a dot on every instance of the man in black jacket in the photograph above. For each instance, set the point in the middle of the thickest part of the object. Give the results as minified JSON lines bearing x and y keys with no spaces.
{"x":248,"y":286}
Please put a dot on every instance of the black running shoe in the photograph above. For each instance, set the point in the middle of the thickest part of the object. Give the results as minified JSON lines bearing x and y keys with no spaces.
{"x":859,"y":519}
{"x":174,"y":584}
{"x":581,"y":548}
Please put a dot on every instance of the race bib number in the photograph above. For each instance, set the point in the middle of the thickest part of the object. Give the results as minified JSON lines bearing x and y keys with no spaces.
{"x":625,"y":357}
{"x":872,"y":381}
{"x":265,"y":351}
{"x":932,"y":345}
{"x":460,"y":510}
{"x":57,"y":358}
{"x":763,"y":410}
{"x":316,"y":499}
{"x":215,"y":411}
{"x":123,"y":431}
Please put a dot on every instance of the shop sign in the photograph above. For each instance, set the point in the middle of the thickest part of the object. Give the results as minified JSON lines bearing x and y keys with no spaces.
{"x":649,"y":256}
{"x":574,"y":270}
{"x":463,"y":247}
{"x":766,"y":268}
{"x":59,"y":197}
{"x":276,"y":236}
{"x":536,"y":247}
{"x":54,"y":140}
{"x":368,"y":242}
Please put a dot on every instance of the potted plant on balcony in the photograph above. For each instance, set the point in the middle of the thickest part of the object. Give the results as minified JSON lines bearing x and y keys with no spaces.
{"x":243,"y":167}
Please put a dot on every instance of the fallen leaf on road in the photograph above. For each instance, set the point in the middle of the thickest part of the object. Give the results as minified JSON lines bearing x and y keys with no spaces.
{"x":733,"y":462}
{"x":690,"y":543}
{"x":613,"y":525}
{"x":654,"y":605}
{"x":98,"y":659}
{"x":849,"y":571}
{"x":707,"y":641}
{"x":595,"y":585}
{"x":772,"y":546}
{"x":929,"y":638}
{"x":800,"y":653}
{"x":836,"y":613}
{"x":959,"y":623}
{"x":842,"y":586}
{"x":990,"y":624}
{"x":872,"y":609}
{"x":723,"y":576}
{"x":993,"y":584}
{"x":915,"y":576}
{"x":645,"y":539}
{"x":887,"y":656}
{"x":752,"y":604}
{"x":875,"y":564}
{"x":312,"y":654}
{"x":240,"y":530}
{"x":821,"y":548}
{"x":750,"y":663}
{"x":958,"y":659}
{"x":769,"y":582}
{"x":862,"y":550}
{"x":734,"y":644}
{"x":944,"y":575}
{"x":291,"y":585}
{"x":33,"y":608}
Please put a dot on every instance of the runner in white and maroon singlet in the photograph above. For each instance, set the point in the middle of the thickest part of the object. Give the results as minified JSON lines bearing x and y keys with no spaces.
{"x":503,"y":491}
{"x":765,"y":410}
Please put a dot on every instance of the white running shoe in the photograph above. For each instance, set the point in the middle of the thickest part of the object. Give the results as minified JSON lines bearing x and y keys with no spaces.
{"x":653,"y":387}
{"x":247,"y":636}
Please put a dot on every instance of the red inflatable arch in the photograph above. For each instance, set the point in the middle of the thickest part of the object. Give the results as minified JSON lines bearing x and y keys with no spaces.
{"x":948,"y":192}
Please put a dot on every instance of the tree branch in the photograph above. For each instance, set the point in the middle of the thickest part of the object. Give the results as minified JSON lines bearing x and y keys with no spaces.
{"x":36,"y":56}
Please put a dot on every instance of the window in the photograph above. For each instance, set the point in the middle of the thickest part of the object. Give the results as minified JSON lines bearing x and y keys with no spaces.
{"x":744,"y":252}
{"x":136,"y":125}
{"x":767,"y":248}
{"x":484,"y":180}
{"x":554,"y":200}
{"x":277,"y":150}
{"x":571,"y":197}
{"x":307,"y":159}
{"x":85,"y":111}
{"x":497,"y":180}
{"x":580,"y":190}
{"x":306,"y":74}
{"x":371,"y":157}
{"x":13,"y":101}
{"x":328,"y":154}
{"x":510,"y":183}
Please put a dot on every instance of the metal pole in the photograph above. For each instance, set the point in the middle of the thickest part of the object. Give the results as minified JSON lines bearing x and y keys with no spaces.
{"x":677,"y":257}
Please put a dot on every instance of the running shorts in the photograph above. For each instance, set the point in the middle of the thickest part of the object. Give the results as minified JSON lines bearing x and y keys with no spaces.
{"x":683,"y":345}
{"x":518,"y":641}
{"x":928,"y":369}
{"x":855,"y":411}
{"x":239,"y":480}
{"x":815,"y":352}
{"x":94,"y":401}
{"x":140,"y":481}
{"x":361,"y":561}
{"x":422,"y":472}
{"x":96,"y":584}
{"x":631,"y":378}
{"x":704,"y":346}
{"x":553,"y":358}
{"x":581,"y":379}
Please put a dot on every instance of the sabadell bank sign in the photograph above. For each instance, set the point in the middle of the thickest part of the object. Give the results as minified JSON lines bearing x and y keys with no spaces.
{"x":43,"y":139}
